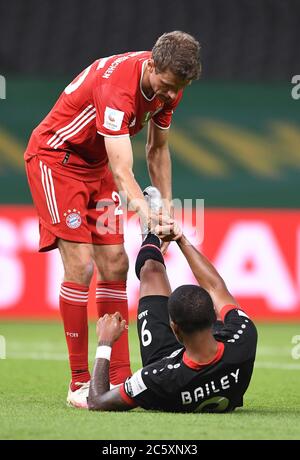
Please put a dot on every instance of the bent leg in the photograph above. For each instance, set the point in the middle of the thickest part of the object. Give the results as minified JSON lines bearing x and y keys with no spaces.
{"x":150,"y":268}
{"x":154,"y":279}
{"x":155,"y":334}
{"x":156,"y":337}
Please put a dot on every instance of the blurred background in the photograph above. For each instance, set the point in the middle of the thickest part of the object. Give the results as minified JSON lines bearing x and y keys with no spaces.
{"x":234,"y":139}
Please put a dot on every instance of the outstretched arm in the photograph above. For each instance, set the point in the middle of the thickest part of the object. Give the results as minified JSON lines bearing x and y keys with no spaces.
{"x":160,"y":166}
{"x":119,"y":152}
{"x":206,"y":275}
{"x":159,"y":162}
{"x":203,"y":270}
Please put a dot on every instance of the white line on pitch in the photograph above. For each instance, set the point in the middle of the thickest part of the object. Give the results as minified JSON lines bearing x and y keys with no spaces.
{"x":51,"y":347}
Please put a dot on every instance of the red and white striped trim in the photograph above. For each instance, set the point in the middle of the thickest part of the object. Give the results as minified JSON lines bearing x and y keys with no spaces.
{"x":48,"y":186}
{"x":141,"y":81}
{"x":115,"y":136}
{"x":85,"y":117}
{"x":161,"y":127}
{"x":151,"y":246}
{"x":73,"y":295}
{"x":110,"y":294}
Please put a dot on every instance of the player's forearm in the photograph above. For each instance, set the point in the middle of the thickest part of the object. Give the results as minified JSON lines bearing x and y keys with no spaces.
{"x":203,"y":270}
{"x":160,"y":170}
{"x":127,"y":184}
{"x":119,"y":152}
{"x":99,"y":392}
{"x":99,"y":384}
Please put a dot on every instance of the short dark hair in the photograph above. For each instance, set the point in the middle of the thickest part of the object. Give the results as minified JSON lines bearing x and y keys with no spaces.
{"x":191,"y":308}
{"x":178,"y":52}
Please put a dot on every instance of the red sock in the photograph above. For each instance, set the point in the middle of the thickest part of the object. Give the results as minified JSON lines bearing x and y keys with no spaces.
{"x":111,"y":297}
{"x":73,"y":301}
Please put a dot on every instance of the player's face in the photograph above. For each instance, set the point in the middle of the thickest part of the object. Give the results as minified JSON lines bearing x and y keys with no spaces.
{"x":166,"y":85}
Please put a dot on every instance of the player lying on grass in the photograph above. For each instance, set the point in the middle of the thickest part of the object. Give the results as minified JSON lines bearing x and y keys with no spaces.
{"x":192,"y":362}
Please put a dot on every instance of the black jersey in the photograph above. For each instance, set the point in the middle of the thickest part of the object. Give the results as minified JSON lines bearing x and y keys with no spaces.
{"x":177,"y":384}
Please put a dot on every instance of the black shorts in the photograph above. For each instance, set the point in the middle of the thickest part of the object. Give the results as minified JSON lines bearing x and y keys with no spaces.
{"x":157,"y":339}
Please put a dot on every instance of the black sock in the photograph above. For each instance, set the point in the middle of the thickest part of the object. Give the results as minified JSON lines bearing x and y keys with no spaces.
{"x":151,"y":239}
{"x":150,"y":250}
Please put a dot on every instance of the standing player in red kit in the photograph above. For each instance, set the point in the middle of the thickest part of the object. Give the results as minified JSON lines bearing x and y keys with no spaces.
{"x":81,"y":155}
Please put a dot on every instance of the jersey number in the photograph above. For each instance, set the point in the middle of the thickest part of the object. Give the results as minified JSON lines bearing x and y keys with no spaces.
{"x":73,"y":86}
{"x":117,"y":199}
{"x":146,"y":334}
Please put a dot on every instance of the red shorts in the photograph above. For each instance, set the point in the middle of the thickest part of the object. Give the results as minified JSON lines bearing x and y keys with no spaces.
{"x":73,"y":210}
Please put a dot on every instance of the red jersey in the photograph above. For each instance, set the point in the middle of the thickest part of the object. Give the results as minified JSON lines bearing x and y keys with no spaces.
{"x":106,"y":99}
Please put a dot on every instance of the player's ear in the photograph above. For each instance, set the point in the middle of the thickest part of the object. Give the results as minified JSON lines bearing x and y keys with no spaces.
{"x":175,"y":329}
{"x":150,"y":65}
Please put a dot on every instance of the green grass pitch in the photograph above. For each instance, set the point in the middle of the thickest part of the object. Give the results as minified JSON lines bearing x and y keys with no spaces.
{"x":34,"y":379}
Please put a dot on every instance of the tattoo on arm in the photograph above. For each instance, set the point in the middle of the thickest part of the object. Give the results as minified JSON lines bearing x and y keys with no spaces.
{"x":100,"y":379}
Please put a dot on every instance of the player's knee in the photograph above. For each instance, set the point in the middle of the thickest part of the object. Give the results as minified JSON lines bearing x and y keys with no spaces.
{"x":151,"y":267}
{"x":124,"y":264}
{"x":115,"y":266}
{"x":80,"y":272}
{"x":119,"y":267}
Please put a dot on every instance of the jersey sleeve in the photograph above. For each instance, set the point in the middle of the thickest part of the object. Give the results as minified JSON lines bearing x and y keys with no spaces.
{"x":136,"y":390}
{"x":238,"y":332}
{"x":144,"y":389}
{"x":113,"y":110}
{"x":163,"y":119}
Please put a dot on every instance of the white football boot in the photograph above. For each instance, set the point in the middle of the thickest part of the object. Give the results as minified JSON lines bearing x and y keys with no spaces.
{"x":78,"y":398}
{"x":112,"y":386}
{"x":153,"y":198}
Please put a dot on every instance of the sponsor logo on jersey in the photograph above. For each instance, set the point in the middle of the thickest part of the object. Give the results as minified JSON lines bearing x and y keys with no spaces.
{"x":113,"y":119}
{"x":73,"y":218}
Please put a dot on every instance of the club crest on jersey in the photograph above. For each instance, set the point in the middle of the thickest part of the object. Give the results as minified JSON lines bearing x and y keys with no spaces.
{"x":73,"y":218}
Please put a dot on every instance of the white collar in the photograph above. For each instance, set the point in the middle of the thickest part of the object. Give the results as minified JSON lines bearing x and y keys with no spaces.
{"x":141,"y":88}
